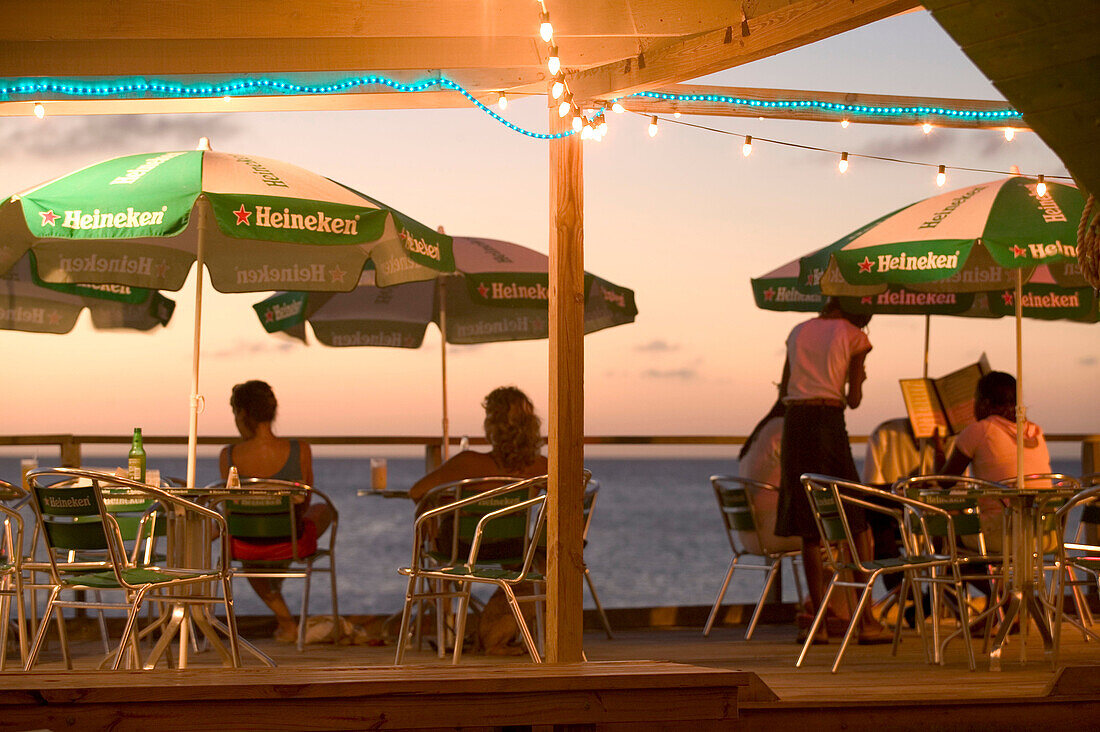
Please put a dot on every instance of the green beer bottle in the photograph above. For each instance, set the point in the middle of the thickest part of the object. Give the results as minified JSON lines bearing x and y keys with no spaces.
{"x":136,"y":465}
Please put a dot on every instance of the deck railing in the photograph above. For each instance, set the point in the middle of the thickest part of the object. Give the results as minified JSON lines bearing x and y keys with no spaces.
{"x":70,"y":446}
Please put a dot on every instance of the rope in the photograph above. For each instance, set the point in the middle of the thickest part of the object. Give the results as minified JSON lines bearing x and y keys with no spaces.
{"x":1088,"y":244}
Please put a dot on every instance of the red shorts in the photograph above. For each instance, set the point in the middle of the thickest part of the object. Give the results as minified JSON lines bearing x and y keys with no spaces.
{"x":277,"y":551}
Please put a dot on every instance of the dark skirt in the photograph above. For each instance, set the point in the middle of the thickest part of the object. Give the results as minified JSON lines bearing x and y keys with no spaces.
{"x":815,"y":440}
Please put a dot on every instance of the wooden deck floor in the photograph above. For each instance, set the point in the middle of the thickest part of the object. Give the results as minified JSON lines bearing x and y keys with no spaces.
{"x":872,"y":687}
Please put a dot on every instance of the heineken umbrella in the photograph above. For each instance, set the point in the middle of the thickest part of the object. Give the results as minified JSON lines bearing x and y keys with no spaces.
{"x":30,"y":305}
{"x":257,"y":224}
{"x":985,"y":237}
{"x":498,"y":293}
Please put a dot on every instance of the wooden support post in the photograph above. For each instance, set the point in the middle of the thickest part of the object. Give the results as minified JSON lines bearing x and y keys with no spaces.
{"x":564,"y":599}
{"x":70,"y":452}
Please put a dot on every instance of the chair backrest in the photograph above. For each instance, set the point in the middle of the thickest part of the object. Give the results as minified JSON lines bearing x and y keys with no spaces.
{"x":524,"y":511}
{"x":1048,"y":506}
{"x":11,"y":550}
{"x":259,"y":516}
{"x":738,"y":513}
{"x":958,"y":495}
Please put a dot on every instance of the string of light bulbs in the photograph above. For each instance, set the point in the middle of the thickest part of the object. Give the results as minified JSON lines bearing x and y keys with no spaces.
{"x":844,"y":155}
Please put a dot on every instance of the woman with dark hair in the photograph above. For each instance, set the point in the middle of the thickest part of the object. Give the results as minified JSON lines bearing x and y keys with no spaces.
{"x":263,"y":455}
{"x":512,"y":428}
{"x":823,"y":374}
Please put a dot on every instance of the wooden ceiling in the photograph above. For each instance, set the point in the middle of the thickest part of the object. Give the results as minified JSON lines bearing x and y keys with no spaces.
{"x":608,"y":47}
{"x":1044,"y":57}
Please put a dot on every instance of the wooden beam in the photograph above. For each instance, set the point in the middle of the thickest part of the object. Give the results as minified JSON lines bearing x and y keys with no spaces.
{"x":648,"y":105}
{"x":564,"y":617}
{"x":794,"y":25}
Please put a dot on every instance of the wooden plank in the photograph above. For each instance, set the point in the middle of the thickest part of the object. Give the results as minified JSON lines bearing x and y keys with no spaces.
{"x":565,"y":426}
{"x":781,"y":30}
{"x":1035,"y":50}
{"x":648,"y":105}
{"x":1076,"y":681}
{"x":1073,"y":83}
{"x":973,"y":21}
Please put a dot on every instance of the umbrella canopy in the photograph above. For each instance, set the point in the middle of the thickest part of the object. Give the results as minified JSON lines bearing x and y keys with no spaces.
{"x":30,"y":305}
{"x":258,"y":224}
{"x":968,"y":240}
{"x":498,"y":293}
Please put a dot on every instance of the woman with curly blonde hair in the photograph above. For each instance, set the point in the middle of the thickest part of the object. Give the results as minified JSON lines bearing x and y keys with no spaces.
{"x":513,"y":431}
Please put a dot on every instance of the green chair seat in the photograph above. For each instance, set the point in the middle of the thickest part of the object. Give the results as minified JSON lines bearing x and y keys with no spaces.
{"x":495,"y":573}
{"x":107,"y":580}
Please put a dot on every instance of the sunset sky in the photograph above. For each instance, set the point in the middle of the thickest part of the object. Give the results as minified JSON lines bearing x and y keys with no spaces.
{"x":683,"y":219}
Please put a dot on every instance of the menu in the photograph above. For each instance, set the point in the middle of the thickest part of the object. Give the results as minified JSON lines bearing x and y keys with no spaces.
{"x":945,"y":403}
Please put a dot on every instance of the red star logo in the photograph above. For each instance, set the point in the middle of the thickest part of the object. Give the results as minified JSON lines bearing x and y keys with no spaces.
{"x":1018,"y":251}
{"x":482,"y":290}
{"x":769,"y":294}
{"x":54,"y":317}
{"x":162,"y":269}
{"x":865,"y":300}
{"x":269,"y":316}
{"x":410,"y":342}
{"x":536,"y":325}
{"x":1007,"y":297}
{"x":337,"y":274}
{"x":242,"y":215}
{"x":866,"y":265}
{"x":48,"y":217}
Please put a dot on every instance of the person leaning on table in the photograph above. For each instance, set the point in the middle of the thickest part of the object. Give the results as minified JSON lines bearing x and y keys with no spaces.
{"x":263,"y":455}
{"x":988,"y":448}
{"x":823,"y":373}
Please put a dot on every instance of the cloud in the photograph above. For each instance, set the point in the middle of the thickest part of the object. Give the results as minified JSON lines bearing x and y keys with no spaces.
{"x":63,"y":136}
{"x":250,"y":348}
{"x":1087,"y":360}
{"x":657,"y":346}
{"x":687,"y":373}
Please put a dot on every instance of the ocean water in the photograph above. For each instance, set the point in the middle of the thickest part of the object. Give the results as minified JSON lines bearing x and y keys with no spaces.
{"x":656,"y":539}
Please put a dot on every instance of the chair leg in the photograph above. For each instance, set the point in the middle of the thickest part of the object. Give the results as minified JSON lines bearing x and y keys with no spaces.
{"x":864,"y":597}
{"x":528,"y":641}
{"x":101,"y":621}
{"x":5,"y":612}
{"x":40,"y":634}
{"x":335,"y":606}
{"x":231,"y":621}
{"x":460,"y":621}
{"x":773,"y":570}
{"x":441,"y":607}
{"x":403,"y":632}
{"x":127,"y":631}
{"x":819,"y":618}
{"x":303,"y":617}
{"x":596,"y":600}
{"x":721,"y":594}
{"x":797,"y":580}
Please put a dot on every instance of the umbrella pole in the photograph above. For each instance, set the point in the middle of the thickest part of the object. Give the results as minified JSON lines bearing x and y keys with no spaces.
{"x":196,"y":400}
{"x":443,"y":351}
{"x":1021,"y":415}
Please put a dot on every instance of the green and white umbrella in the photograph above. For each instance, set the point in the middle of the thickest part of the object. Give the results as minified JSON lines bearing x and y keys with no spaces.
{"x":30,"y":305}
{"x":256,"y":224}
{"x":499,"y":292}
{"x":988,"y":237}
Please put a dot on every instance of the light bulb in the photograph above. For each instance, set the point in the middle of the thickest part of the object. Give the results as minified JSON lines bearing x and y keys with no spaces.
{"x":1041,"y":187}
{"x":842,"y":166}
{"x":653,"y":126}
{"x":502,"y":102}
{"x":1015,"y":170}
{"x":1010,"y":134}
{"x":676,"y":115}
{"x":586,"y":131}
{"x":566,"y":105}
{"x":844,"y":123}
{"x":746,"y":149}
{"x":553,"y":63}
{"x":546,"y":30}
{"x":618,"y":108}
{"x":926,"y":127}
{"x":39,"y":110}
{"x":578,"y":123}
{"x":227,"y":99}
{"x":601,"y":127}
{"x":941,"y":176}
{"x":557,"y":88}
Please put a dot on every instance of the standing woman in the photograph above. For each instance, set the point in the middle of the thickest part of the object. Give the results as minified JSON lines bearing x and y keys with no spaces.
{"x":263,"y":455}
{"x":824,"y":372}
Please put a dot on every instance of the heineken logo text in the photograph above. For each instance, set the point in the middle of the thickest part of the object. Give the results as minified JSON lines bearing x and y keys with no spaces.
{"x":360,"y":338}
{"x":905,"y":297}
{"x":943,"y":213}
{"x":276,"y":275}
{"x":28,"y":316}
{"x":320,"y":221}
{"x":790,"y":294}
{"x":419,"y":246}
{"x":281,"y":312}
{"x":501,"y":291}
{"x":1042,"y":251}
{"x":128,"y":219}
{"x":615,"y":298}
{"x":95,"y":263}
{"x":134,"y":174}
{"x":1050,"y":300}
{"x":75,"y":502}
{"x":269,"y":178}
{"x":930,"y":260}
{"x":504,"y":326}
{"x":1051,"y":211}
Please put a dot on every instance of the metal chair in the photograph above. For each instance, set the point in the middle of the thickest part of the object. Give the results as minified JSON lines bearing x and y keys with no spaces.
{"x":827,"y":497}
{"x":270,"y":514}
{"x":66,"y":511}
{"x":11,"y":573}
{"x":590,"y":495}
{"x":742,"y":524}
{"x":487,"y":528}
{"x":1075,"y":555}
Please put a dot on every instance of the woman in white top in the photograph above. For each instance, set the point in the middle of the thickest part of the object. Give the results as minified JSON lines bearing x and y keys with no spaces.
{"x":824,"y":373}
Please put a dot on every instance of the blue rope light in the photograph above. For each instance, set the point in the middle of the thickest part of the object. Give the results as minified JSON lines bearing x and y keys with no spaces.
{"x":969,"y":114}
{"x":248,"y":85}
